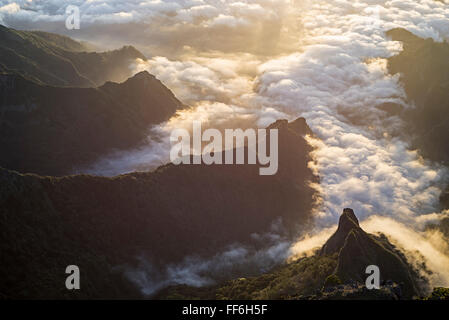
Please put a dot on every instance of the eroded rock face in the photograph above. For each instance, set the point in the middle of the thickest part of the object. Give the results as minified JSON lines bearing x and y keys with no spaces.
{"x":357,"y":250}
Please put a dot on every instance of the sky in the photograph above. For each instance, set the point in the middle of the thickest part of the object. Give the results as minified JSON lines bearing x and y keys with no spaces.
{"x":246,"y":63}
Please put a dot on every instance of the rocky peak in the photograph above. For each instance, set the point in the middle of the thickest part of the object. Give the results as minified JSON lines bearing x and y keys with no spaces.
{"x":348,"y":219}
{"x":132,"y":52}
{"x":139,"y":79}
{"x":142,"y":75}
{"x":142,"y":88}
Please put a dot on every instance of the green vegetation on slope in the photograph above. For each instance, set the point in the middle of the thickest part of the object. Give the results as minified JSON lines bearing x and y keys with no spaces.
{"x":439,"y":294}
{"x":423,"y":66}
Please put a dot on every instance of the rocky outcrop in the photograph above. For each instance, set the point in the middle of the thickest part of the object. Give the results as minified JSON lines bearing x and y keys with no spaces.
{"x":357,"y":250}
{"x":57,"y":60}
{"x":53,"y":130}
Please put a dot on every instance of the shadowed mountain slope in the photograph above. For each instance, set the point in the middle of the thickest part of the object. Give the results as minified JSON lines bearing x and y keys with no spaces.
{"x":51,"y":130}
{"x":336,"y":271}
{"x":102,"y":224}
{"x":423,"y":66}
{"x":357,"y":250}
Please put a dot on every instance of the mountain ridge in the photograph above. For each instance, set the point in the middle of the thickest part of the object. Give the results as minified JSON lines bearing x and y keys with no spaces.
{"x":38,"y":121}
{"x":423,"y":68}
{"x":57,"y":60}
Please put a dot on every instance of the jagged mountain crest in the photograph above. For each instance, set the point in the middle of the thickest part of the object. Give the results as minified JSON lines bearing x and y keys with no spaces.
{"x":39,"y":121}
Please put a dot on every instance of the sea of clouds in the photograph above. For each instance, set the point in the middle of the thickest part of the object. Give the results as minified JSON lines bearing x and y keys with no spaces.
{"x":245,"y":63}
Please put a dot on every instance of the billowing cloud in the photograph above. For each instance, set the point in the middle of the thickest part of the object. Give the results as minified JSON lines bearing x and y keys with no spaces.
{"x":336,"y":82}
{"x":235,"y":262}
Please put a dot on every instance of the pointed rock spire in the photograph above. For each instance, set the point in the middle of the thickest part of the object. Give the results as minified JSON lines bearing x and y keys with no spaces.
{"x":348,"y":221}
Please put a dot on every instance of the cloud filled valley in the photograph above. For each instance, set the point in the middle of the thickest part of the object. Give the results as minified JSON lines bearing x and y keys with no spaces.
{"x":244,"y":64}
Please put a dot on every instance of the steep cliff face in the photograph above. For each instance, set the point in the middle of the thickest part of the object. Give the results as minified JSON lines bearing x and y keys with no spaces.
{"x":104,"y":223}
{"x":51,"y":130}
{"x":347,"y":223}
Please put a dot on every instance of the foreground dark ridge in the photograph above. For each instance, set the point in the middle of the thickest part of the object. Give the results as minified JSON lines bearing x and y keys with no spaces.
{"x":423,"y":66}
{"x":53,"y":130}
{"x":103,"y":224}
{"x":336,"y":271}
